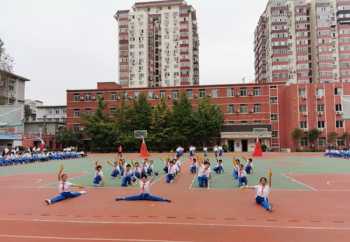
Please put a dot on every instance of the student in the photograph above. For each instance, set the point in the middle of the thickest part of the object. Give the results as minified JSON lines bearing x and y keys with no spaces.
{"x":194,"y":166}
{"x":138,"y":170}
{"x":236,"y":165}
{"x":127,"y":176}
{"x":242,"y":176}
{"x":169,"y":178}
{"x":145,"y":194}
{"x":204,"y":174}
{"x":263,"y":190}
{"x":166,"y":165}
{"x":98,"y":178}
{"x":220,"y":151}
{"x":216,"y":151}
{"x":120,"y":151}
{"x":115,"y":169}
{"x":179,"y":152}
{"x":148,"y":167}
{"x":249,"y":166}
{"x":64,"y":188}
{"x":219,"y":168}
{"x":205,"y":151}
{"x":192,"y":150}
{"x":178,"y":165}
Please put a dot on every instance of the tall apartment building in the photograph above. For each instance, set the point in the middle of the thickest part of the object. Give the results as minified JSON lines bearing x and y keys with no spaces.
{"x":158,"y":45}
{"x":303,"y":41}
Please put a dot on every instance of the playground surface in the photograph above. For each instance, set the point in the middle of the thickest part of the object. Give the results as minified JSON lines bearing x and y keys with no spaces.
{"x":310,"y":198}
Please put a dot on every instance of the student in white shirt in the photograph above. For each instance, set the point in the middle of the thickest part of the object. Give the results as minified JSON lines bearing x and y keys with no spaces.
{"x":194,"y":165}
{"x":205,"y":151}
{"x":216,"y":151}
{"x":127,"y":176}
{"x":242,"y":176}
{"x":145,"y":193}
{"x":249,"y":166}
{"x":64,"y":188}
{"x":171,"y":172}
{"x":219,"y":168}
{"x":98,"y":178}
{"x":204,"y":174}
{"x":263,"y":190}
{"x":192,"y":150}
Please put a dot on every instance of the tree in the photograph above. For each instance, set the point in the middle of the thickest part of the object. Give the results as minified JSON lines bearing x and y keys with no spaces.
{"x":182,"y":122}
{"x":332,"y":138}
{"x":209,"y":120}
{"x":313,"y":136}
{"x":297,"y":134}
{"x":6,"y":61}
{"x":346,"y":137}
{"x":100,"y":129}
{"x":143,"y":112}
{"x":68,"y":137}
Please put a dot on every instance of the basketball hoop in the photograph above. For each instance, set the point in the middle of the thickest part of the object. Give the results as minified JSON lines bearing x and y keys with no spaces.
{"x":140,"y":134}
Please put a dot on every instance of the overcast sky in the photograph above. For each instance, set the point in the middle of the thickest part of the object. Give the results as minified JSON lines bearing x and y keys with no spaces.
{"x":72,"y":44}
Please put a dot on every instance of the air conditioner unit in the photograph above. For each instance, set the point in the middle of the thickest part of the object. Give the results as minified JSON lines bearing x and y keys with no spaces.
{"x":118,"y":98}
{"x":81,"y":98}
{"x":339,"y":112}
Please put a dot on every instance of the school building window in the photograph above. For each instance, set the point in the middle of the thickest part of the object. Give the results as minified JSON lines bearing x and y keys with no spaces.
{"x":338,"y":91}
{"x":274,"y":134}
{"x":303,"y":125}
{"x":338,"y":108}
{"x":257,"y":91}
{"x":150,"y":95}
{"x":320,"y":124}
{"x":76,"y":127}
{"x":243,"y":108}
{"x":230,"y":92}
{"x":320,"y":108}
{"x":230,"y":108}
{"x":113,"y":96}
{"x":274,"y":116}
{"x":76,"y":113}
{"x":189,"y":93}
{"x":202,"y":93}
{"x":257,"y":108}
{"x":273,"y":99}
{"x":302,"y":108}
{"x":88,"y":97}
{"x":76,"y":97}
{"x":302,"y":92}
{"x":162,"y":94}
{"x":304,"y":142}
{"x":214,"y":93}
{"x":339,"y":123}
{"x":243,"y":92}
{"x":319,"y":92}
{"x":175,"y":94}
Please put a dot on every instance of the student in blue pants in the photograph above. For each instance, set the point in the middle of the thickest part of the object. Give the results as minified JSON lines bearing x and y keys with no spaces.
{"x":242,"y":176}
{"x":64,"y":188}
{"x":219,"y":168}
{"x":169,"y":178}
{"x":204,"y":175}
{"x":98,"y":180}
{"x":127,"y":176}
{"x":115,"y":169}
{"x":193,"y":166}
{"x":145,"y":194}
{"x":263,"y":190}
{"x":236,"y":165}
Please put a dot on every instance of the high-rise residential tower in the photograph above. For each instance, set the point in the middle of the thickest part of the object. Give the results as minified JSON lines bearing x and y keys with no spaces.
{"x":158,"y":44}
{"x":303,"y":41}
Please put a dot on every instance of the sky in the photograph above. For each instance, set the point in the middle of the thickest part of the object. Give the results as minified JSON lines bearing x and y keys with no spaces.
{"x":72,"y":44}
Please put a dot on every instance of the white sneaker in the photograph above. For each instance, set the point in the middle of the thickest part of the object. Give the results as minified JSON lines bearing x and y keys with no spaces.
{"x":48,"y":201}
{"x":83,"y":192}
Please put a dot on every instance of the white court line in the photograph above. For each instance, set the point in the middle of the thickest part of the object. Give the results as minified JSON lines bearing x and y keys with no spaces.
{"x":38,"y":237}
{"x":224,"y":225}
{"x":299,"y":182}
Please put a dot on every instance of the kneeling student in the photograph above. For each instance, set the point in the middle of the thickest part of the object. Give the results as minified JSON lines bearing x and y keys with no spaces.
{"x":98,"y":178}
{"x":204,"y":174}
{"x":242,"y":176}
{"x":219,"y":168}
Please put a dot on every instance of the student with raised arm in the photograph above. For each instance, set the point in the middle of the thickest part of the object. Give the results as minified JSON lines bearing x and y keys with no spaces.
{"x":64,"y":188}
{"x":98,"y":180}
{"x":204,"y":174}
{"x":262,"y":192}
{"x":115,"y":169}
{"x":249,"y":165}
{"x":145,"y":193}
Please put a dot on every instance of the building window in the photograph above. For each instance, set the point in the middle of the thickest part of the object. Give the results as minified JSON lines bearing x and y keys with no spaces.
{"x":189,"y":93}
{"x":136,"y":94}
{"x":76,"y":97}
{"x":113,"y":96}
{"x":76,"y":113}
{"x":339,"y":124}
{"x":338,"y":91}
{"x":257,"y":91}
{"x":338,"y":108}
{"x":274,"y":134}
{"x":243,"y":108}
{"x":321,"y":124}
{"x":274,"y":116}
{"x":230,"y":108}
{"x":340,"y":142}
{"x":150,"y":95}
{"x":175,"y":94}
{"x":319,"y":92}
{"x":302,"y":92}
{"x":303,"y":125}
{"x":76,"y":127}
{"x":320,"y":108}
{"x":230,"y":92}
{"x":202,"y":93}
{"x":162,"y":94}
{"x":113,"y":110}
{"x":273,"y":99}
{"x":302,"y":108}
{"x":214,"y":93}
{"x":304,"y":142}
{"x":257,"y":108}
{"x":243,"y":92}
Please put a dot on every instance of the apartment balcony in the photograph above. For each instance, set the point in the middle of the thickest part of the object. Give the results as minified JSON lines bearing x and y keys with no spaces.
{"x":343,"y":16}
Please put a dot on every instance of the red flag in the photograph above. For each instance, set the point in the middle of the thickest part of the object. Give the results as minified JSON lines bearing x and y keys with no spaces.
{"x":257,"y":150}
{"x":143,"y":150}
